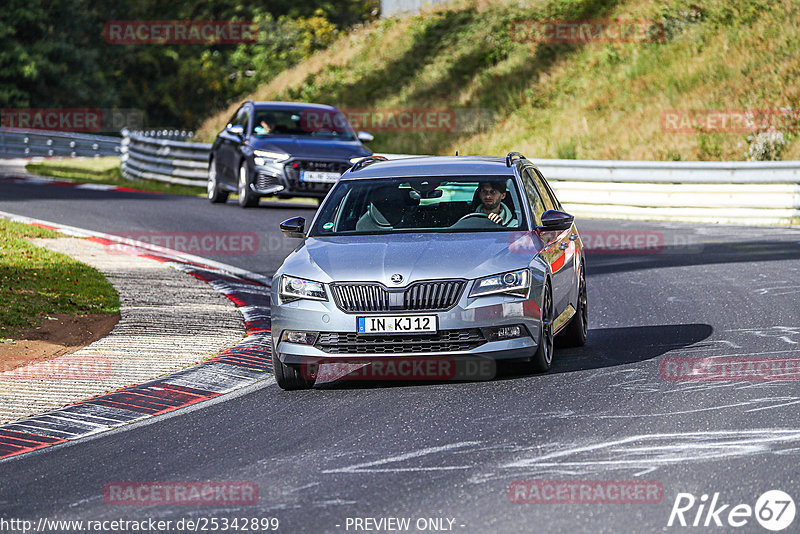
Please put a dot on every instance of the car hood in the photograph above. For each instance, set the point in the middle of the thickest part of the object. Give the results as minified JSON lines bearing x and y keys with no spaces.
{"x":413,"y":256}
{"x":316,"y":148}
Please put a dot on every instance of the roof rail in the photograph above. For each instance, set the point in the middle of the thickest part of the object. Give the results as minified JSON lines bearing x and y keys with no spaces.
{"x":368,"y":160}
{"x":511,"y":156}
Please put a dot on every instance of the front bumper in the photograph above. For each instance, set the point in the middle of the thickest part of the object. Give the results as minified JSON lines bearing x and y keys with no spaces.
{"x":469,"y":314}
{"x":284,"y":178}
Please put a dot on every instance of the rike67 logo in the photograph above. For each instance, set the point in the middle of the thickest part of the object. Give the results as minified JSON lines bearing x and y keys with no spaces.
{"x":774,"y":510}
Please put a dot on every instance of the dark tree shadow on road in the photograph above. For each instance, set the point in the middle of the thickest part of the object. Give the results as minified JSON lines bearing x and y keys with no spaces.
{"x":605,"y":347}
{"x":611,"y":347}
{"x":689,"y":256}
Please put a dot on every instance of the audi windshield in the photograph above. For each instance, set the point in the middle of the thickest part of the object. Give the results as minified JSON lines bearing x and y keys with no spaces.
{"x":309,"y":122}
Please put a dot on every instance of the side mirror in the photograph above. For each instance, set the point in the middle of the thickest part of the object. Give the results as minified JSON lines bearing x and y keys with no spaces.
{"x":365,"y":137}
{"x":237,"y":130}
{"x":294,"y":227}
{"x":555,"y":220}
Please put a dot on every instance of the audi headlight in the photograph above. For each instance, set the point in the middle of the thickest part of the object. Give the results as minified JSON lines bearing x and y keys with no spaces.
{"x":298,"y":288}
{"x":263,"y":157}
{"x":512,"y":283}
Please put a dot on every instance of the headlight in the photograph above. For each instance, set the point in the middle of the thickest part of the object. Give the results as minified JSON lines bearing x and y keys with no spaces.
{"x":512,"y":283}
{"x":297,"y":288}
{"x":262,"y":157}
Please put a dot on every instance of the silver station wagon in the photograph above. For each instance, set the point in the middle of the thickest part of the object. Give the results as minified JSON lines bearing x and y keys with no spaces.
{"x":448,"y":259}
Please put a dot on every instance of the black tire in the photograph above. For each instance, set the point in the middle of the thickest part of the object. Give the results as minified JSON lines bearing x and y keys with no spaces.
{"x":247,"y":199}
{"x":543,"y":358}
{"x":289,"y":378}
{"x":574,"y":335}
{"x":215,"y":194}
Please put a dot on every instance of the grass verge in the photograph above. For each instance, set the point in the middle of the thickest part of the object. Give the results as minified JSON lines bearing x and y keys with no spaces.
{"x":594,"y":99}
{"x":35,"y":282}
{"x":105,"y":171}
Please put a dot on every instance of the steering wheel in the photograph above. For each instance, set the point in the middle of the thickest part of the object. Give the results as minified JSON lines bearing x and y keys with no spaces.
{"x":473,"y":214}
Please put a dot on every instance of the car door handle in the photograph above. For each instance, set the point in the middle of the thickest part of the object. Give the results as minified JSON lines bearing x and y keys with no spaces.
{"x":573,"y":237}
{"x":563,"y":246}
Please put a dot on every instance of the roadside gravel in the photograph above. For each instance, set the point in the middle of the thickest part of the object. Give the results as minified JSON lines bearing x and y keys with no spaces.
{"x":169,"y":320}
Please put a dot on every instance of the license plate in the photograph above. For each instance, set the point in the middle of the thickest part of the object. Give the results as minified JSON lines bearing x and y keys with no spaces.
{"x":404,"y":324}
{"x":319,"y":176}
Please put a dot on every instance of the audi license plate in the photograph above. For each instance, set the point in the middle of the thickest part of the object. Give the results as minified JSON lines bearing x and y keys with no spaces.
{"x":319,"y":176}
{"x":404,"y":324}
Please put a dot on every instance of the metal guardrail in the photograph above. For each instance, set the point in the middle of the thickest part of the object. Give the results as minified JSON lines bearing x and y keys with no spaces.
{"x":164,"y":133}
{"x":165,"y":160}
{"x":728,"y":192}
{"x":724,"y":192}
{"x":684,"y":172}
{"x":25,"y":143}
{"x":730,"y":203}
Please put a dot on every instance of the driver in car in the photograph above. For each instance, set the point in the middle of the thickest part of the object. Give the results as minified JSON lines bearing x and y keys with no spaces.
{"x":266,"y":127}
{"x":491,"y":195}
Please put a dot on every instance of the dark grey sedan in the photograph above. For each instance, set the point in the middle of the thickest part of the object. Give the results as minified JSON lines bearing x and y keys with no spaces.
{"x":282,"y":149}
{"x":440,"y":258}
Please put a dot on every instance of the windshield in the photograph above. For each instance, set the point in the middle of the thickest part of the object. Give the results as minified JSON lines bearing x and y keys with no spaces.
{"x":309,"y":122}
{"x":421,"y":204}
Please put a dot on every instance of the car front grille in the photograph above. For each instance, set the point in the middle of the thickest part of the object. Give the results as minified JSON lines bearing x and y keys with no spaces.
{"x":354,"y":298}
{"x":295,"y":167}
{"x":442,"y":341}
{"x":419,"y":296}
{"x":433,"y":295}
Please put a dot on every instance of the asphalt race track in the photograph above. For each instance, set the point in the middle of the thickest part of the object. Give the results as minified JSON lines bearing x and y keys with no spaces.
{"x":607,"y":412}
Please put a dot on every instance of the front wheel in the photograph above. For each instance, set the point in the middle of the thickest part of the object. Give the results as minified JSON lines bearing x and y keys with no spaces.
{"x":247,"y":199}
{"x":215,"y":195}
{"x":543,"y":358}
{"x":289,"y":378}
{"x":575,"y":333}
